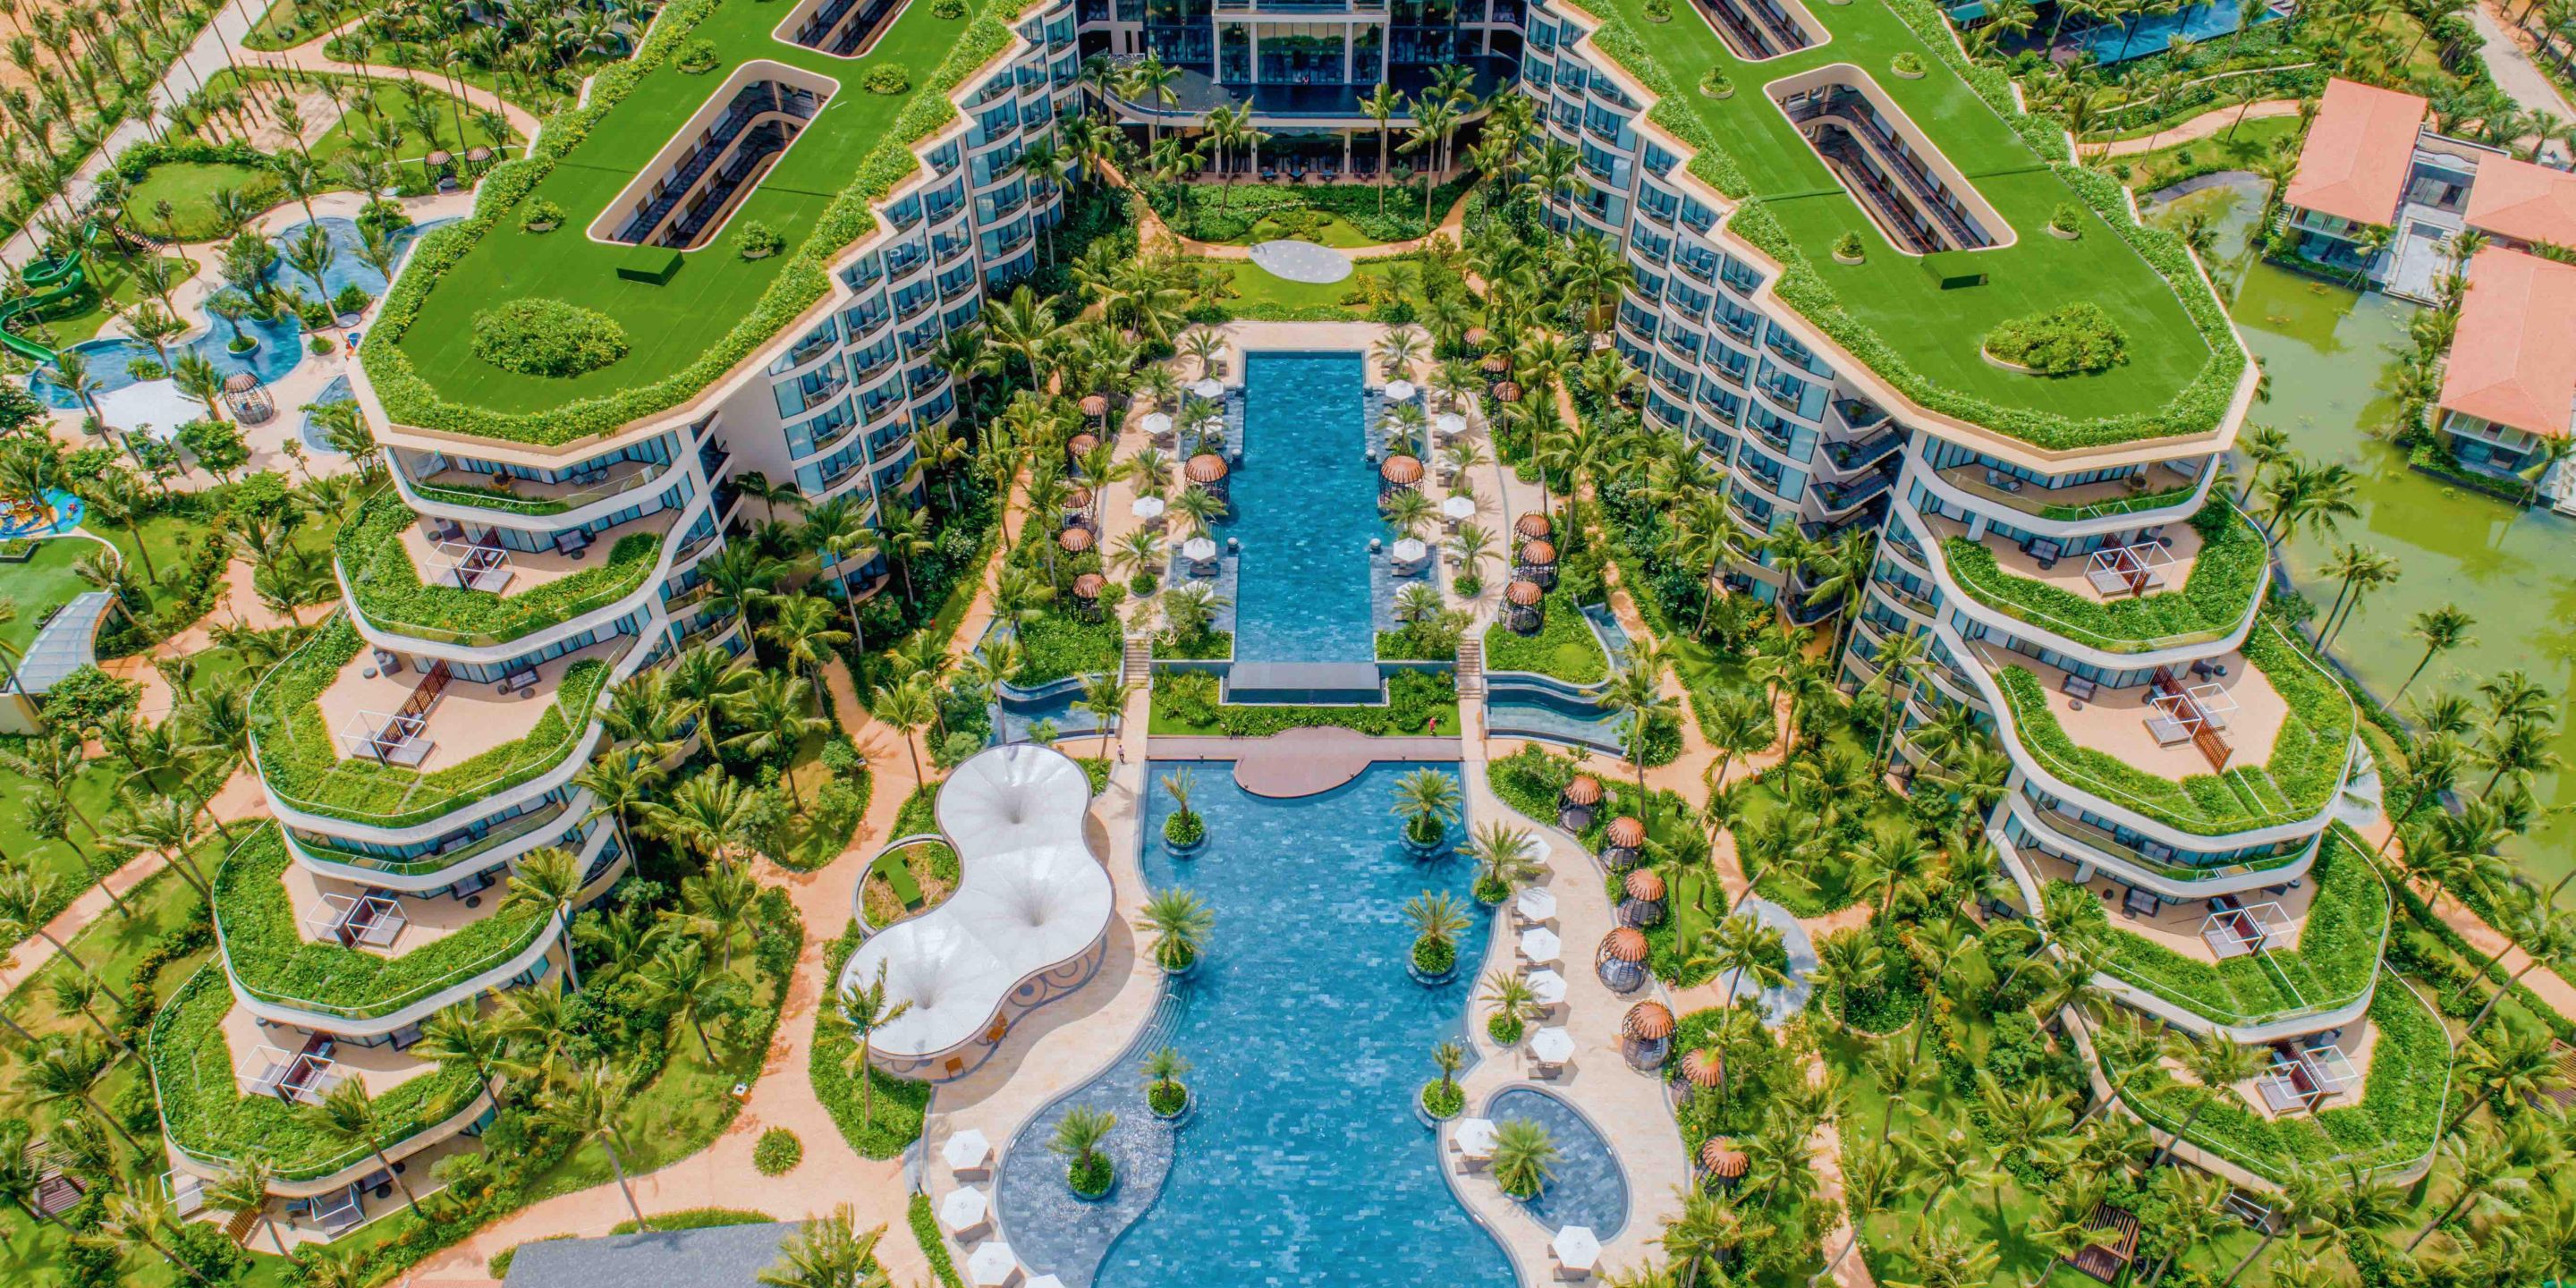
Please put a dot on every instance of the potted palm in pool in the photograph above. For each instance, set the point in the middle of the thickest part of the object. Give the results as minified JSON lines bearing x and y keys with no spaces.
{"x":1165,"y":1094}
{"x":1179,"y":924}
{"x":1524,"y":1157}
{"x":1088,"y":1170}
{"x":1442,"y":1098}
{"x":1437,"y":920}
{"x":1427,"y":801}
{"x":1185,"y":832}
{"x":1506,"y":859}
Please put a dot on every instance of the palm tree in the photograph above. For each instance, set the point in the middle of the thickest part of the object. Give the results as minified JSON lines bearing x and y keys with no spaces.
{"x":348,"y":1116}
{"x":1382,"y":105}
{"x":692,"y":988}
{"x":1427,"y":800}
{"x":1525,"y":1156}
{"x":129,"y":1217}
{"x":907,"y":708}
{"x":1105,"y":696}
{"x":620,"y":784}
{"x":76,"y":993}
{"x":1742,"y":946}
{"x":72,"y":1069}
{"x":2512,"y":1062}
{"x":802,"y":629}
{"x":2441,"y":629}
{"x":1078,"y":1136}
{"x":1180,"y":925}
{"x":826,"y":1252}
{"x":772,"y":715}
{"x":1511,"y":996}
{"x":1741,"y":723}
{"x":1637,"y":695}
{"x":243,"y":1192}
{"x":720,"y":902}
{"x":865,"y":1011}
{"x":26,"y":902}
{"x":462,"y":1033}
{"x":2217,"y":1065}
{"x":584,"y":1107}
{"x":549,"y":877}
{"x":1438,"y":918}
{"x":1506,"y":857}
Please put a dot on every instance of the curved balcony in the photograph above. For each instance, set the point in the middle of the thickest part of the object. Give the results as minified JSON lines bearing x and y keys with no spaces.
{"x":345,"y":959}
{"x":400,"y":760}
{"x":487,"y":604}
{"x":2253,"y":752}
{"x":228,"y":1088}
{"x":524,"y":504}
{"x":2177,"y":598}
{"x":437,"y":869}
{"x":2160,"y":493}
{"x":2045,"y":833}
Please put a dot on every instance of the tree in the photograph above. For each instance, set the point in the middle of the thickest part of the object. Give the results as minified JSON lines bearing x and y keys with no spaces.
{"x":214,"y":443}
{"x":1742,"y":946}
{"x":865,"y":1011}
{"x":2217,"y":1064}
{"x":584,"y":1107}
{"x":71,"y":1070}
{"x":2441,"y":630}
{"x":1636,"y":693}
{"x":462,"y":1034}
{"x":26,"y":903}
{"x":803,"y":630}
{"x":907,"y":708}
{"x":1427,"y":800}
{"x":826,"y":1252}
{"x":548,"y":877}
{"x":771,"y":712}
{"x":2512,"y":1062}
{"x":694,"y":988}
{"x":347,"y":1116}
{"x":1525,"y":1156}
{"x":1382,"y":105}
{"x":1078,"y":1136}
{"x":1179,"y":924}
{"x":1506,"y":857}
{"x":243,"y":1191}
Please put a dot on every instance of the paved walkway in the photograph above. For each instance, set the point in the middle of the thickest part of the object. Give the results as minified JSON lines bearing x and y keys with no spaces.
{"x":308,"y":57}
{"x":2551,"y":987}
{"x":1304,"y":762}
{"x":2214,"y":121}
{"x":2508,"y":54}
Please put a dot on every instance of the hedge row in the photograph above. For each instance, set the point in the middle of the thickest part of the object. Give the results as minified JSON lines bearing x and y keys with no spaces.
{"x":804,"y":278}
{"x":300,"y":760}
{"x":895,"y":1107}
{"x":388,"y":589}
{"x":2224,"y":581}
{"x":269,"y":956}
{"x":2337,"y":953}
{"x":205,"y":1114}
{"x":2199,"y":407}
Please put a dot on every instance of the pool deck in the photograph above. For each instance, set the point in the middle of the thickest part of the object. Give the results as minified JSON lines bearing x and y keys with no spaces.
{"x":1304,"y":762}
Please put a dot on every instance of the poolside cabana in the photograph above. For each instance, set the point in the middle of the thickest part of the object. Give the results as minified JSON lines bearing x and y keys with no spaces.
{"x":1074,"y":540}
{"x":1575,"y":804}
{"x":1080,"y":445}
{"x":1533,"y":526}
{"x":1623,"y":843}
{"x":1400,"y":474}
{"x":1077,"y":506}
{"x":1095,"y":406}
{"x":1521,"y":611}
{"x":1506,"y":392}
{"x":1536,"y":562}
{"x":1207,"y":472}
{"x":1620,"y":962}
{"x":1646,"y":1035}
{"x":1644,"y":904}
{"x":248,"y":399}
{"x":1721,"y":1162}
{"x":1028,"y":922}
{"x":1086,"y":592}
{"x":1704,"y":1067}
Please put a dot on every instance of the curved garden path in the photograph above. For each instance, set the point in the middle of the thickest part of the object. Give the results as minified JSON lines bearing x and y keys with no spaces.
{"x":2199,"y":127}
{"x":308,"y":57}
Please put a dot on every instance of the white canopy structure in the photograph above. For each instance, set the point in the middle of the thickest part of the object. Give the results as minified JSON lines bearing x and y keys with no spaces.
{"x":1540,"y":946}
{"x":1535,"y":904}
{"x":1030,"y":896}
{"x":967,"y":1150}
{"x":963,"y":1210}
{"x":1576,"y":1247}
{"x":993,"y":1266}
{"x":1474,"y":1137}
{"x":1459,"y":507}
{"x":1399,"y":391}
{"x":1547,"y":986}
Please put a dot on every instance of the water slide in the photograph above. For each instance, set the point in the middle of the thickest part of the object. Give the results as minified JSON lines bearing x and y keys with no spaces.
{"x":51,"y":281}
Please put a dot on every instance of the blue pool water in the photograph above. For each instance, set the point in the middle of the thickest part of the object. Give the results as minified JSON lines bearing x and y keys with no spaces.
{"x":1589,"y":1188}
{"x":281,"y":342}
{"x":1302,"y":1161}
{"x":337,"y":391}
{"x":1305,"y":502}
{"x":1539,"y":713}
{"x":2153,"y":34}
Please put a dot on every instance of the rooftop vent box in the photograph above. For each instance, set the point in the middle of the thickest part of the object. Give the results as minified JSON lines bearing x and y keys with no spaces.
{"x":651,"y":265}
{"x":1952,"y":269}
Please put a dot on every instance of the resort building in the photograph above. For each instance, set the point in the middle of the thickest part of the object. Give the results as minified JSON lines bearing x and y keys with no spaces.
{"x":2380,"y":195}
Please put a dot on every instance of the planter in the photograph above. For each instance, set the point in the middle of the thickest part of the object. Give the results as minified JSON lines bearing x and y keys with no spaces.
{"x":243,"y":343}
{"x":2014,"y":367}
{"x":348,"y":320}
{"x":1729,"y":91}
{"x":1430,"y":979}
{"x":1422,"y":1112}
{"x":1189,"y":1101}
{"x":1184,"y":972}
{"x":1901,"y":74}
{"x":764,"y":254}
{"x":1189,"y":851}
{"x":1841,"y":258}
{"x":1102,"y":1197}
{"x":2064,"y":234}
{"x":544,"y":226}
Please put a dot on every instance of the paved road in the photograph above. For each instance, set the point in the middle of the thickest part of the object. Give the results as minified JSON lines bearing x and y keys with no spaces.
{"x":2516,"y":74}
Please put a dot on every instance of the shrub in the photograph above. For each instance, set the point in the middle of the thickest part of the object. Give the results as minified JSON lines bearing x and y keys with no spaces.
{"x":1716,"y":84}
{"x":1907,"y":63}
{"x":2078,"y":337}
{"x":1659,"y":10}
{"x":778,"y":1152}
{"x":352,"y":298}
{"x":887,"y":78}
{"x":542,"y":216}
{"x":547,"y":337}
{"x":951,"y":10}
{"x":758,"y":240}
{"x":698,"y":57}
{"x":2066,"y":218}
{"x":1848,"y":246}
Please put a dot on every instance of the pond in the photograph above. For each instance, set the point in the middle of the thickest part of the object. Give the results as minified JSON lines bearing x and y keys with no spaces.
{"x":2332,"y":353}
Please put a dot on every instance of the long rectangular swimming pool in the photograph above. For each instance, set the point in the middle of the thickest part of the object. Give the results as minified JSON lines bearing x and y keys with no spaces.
{"x":1305,"y":508}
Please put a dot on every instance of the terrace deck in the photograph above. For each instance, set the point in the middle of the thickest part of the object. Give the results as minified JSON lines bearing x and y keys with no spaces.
{"x":671,"y":325}
{"x":1935,"y":331}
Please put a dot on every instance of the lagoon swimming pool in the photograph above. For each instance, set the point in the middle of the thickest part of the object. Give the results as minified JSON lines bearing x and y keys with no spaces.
{"x":1305,"y":509}
{"x":1302,"y":1161}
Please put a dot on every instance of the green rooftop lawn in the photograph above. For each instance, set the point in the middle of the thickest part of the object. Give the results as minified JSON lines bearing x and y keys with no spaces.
{"x":673,"y":325}
{"x":2305,"y":769}
{"x":45,"y":581}
{"x":1912,"y":322}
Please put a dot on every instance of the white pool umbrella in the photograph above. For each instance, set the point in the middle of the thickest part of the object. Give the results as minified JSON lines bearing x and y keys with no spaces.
{"x":1399,"y":391}
{"x":1044,"y":1281}
{"x":1474,"y":1137}
{"x":1410,"y":550}
{"x":1576,"y":1247}
{"x":1459,"y":507}
{"x":993,"y":1265}
{"x":1198,"y":549}
{"x":1449,"y":423}
{"x":967,"y":1149}
{"x":1552,"y":1045}
{"x":1540,"y":946}
{"x":1157,"y":423}
{"x":1148,"y":508}
{"x":1208,"y":389}
{"x":1547,"y":986}
{"x":1538,"y":903}
{"x":963,"y":1209}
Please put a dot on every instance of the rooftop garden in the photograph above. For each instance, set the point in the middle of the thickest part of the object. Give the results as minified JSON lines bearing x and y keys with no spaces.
{"x":389,"y":591}
{"x":2397,"y":1121}
{"x":2296,"y":784}
{"x":1563,"y":648}
{"x":270,"y":958}
{"x":721,"y":306}
{"x":300,"y":760}
{"x":2224,"y":580}
{"x":205,"y":1114}
{"x":2183,"y":361}
{"x":2338,"y":950}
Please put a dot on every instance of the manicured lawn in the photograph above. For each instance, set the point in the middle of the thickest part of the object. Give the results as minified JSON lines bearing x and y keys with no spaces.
{"x":670,"y":326}
{"x":2249,"y":142}
{"x":1264,"y":293}
{"x":392,"y":105}
{"x":189,"y":187}
{"x":43,"y":583}
{"x":1892,"y":293}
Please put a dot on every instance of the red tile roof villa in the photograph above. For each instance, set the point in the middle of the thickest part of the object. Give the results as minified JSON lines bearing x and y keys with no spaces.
{"x":2355,"y":161}
{"x":2513,"y":362}
{"x":2522,"y":202}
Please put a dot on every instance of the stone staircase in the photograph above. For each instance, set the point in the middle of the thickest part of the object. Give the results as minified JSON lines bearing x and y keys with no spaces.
{"x":1136,"y":665}
{"x":1471,"y":667}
